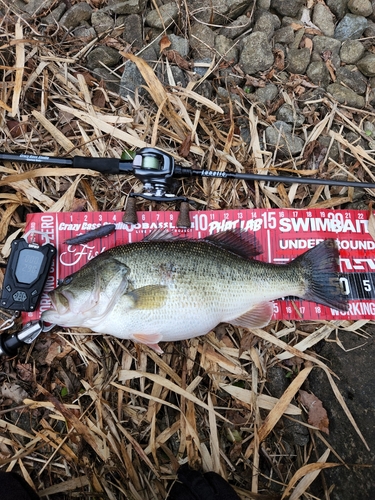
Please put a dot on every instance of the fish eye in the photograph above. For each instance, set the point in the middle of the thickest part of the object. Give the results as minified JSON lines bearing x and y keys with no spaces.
{"x":67,"y":280}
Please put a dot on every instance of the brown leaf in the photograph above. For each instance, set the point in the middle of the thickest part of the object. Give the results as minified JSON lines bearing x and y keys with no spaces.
{"x":25,"y":371}
{"x":184,"y":149}
{"x":16,"y":128}
{"x":254,"y":82}
{"x":174,"y":57}
{"x":98,"y":98}
{"x":279,"y":62}
{"x":164,"y":43}
{"x":317,"y":415}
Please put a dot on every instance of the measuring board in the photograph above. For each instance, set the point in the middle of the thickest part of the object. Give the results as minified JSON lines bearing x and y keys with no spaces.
{"x":282,"y":233}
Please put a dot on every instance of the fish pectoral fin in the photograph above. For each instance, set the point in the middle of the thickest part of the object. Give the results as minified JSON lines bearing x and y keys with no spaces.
{"x":149,"y":297}
{"x":257,"y":317}
{"x":151,"y":340}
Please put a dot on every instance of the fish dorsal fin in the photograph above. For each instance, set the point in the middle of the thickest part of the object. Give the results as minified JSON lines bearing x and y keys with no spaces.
{"x":236,"y":241}
{"x":161,"y":235}
{"x":257,"y":317}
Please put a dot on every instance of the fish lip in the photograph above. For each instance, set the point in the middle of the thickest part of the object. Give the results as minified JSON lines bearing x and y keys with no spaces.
{"x":58,"y":306}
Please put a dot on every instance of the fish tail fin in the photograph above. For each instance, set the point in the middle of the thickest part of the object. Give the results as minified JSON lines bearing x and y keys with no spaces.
{"x":321,"y":271}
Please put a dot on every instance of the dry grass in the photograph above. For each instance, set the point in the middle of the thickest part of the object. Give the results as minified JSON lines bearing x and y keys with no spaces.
{"x":90,"y":416}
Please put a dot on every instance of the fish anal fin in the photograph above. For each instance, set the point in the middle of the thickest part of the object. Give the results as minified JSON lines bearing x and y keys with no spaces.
{"x":151,"y":340}
{"x":149,"y":297}
{"x":257,"y":317}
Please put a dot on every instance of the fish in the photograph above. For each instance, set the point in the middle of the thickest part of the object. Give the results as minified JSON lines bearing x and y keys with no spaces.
{"x":167,"y":288}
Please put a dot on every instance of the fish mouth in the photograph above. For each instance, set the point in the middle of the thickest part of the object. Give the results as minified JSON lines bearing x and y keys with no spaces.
{"x":59,"y":303}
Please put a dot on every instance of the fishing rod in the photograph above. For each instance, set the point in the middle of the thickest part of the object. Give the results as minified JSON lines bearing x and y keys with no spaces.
{"x":156,"y":169}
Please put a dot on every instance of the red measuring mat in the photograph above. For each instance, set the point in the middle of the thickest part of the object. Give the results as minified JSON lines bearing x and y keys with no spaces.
{"x":283,"y":235}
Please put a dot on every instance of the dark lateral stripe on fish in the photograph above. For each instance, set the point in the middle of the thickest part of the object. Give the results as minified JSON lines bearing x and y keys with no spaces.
{"x":99,"y":232}
{"x":322,"y":273}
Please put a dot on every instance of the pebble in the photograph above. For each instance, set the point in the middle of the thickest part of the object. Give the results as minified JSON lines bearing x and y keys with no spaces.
{"x":256,"y":54}
{"x":360,"y":7}
{"x":75,"y":15}
{"x":163,"y":17}
{"x":367,"y":65}
{"x":319,"y":74}
{"x":351,"y":51}
{"x":298,"y":60}
{"x":324,"y":19}
{"x":350,"y":27}
{"x":281,"y":136}
{"x":352,"y":78}
{"x":345,"y":95}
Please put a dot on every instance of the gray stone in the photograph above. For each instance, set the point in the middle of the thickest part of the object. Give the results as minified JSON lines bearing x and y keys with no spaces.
{"x":103,"y":54}
{"x":288,"y":114}
{"x":280,"y":136}
{"x":76,"y":15}
{"x":55,"y":16}
{"x":133,"y":30}
{"x":85,"y":31}
{"x":267,"y":94}
{"x":319,"y":74}
{"x":131,"y":79}
{"x":267,"y":23}
{"x":352,"y":78}
{"x":217,"y":12}
{"x":323,"y":18}
{"x":112,"y":82}
{"x":284,"y":35}
{"x":179,"y":76}
{"x":351,"y":51}
{"x":350,"y":27}
{"x":226,"y":48}
{"x":164,"y":16}
{"x":326,"y":45}
{"x":287,"y":7}
{"x":298,"y":60}
{"x":101,"y":22}
{"x":338,"y":7}
{"x":366,"y":65}
{"x":202,"y":41}
{"x":345,"y":96}
{"x":201,"y":66}
{"x":264,"y":4}
{"x":236,"y":27}
{"x":179,"y":44}
{"x":256,"y":54}
{"x":360,"y":7}
{"x":35,"y":7}
{"x":125,"y":7}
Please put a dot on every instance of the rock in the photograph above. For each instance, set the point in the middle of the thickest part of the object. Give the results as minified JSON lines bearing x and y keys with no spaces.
{"x":298,"y":60}
{"x":112,"y":82}
{"x":202,"y":41}
{"x":351,"y":51}
{"x":76,"y":15}
{"x":280,"y":135}
{"x":323,"y":18}
{"x":345,"y":96}
{"x":35,"y":7}
{"x":267,"y":94}
{"x":319,"y":74}
{"x":85,"y":31}
{"x":103,"y":54}
{"x":256,"y":54}
{"x":284,"y":35}
{"x":201,"y":66}
{"x":366,"y":65}
{"x":163,"y":17}
{"x":325,"y":45}
{"x":266,"y":22}
{"x":131,"y":79}
{"x":54,"y":16}
{"x":287,"y":7}
{"x":179,"y":76}
{"x":350,"y":27}
{"x":288,"y":114}
{"x":133,"y":30}
{"x":179,"y":44}
{"x":218,"y":12}
{"x":119,"y":7}
{"x":360,"y":7}
{"x":236,"y":27}
{"x":226,"y":48}
{"x":101,"y":22}
{"x":338,"y":7}
{"x":352,"y":78}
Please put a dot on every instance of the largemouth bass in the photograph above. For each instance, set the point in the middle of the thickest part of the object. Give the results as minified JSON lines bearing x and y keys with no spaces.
{"x":166,"y":289}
